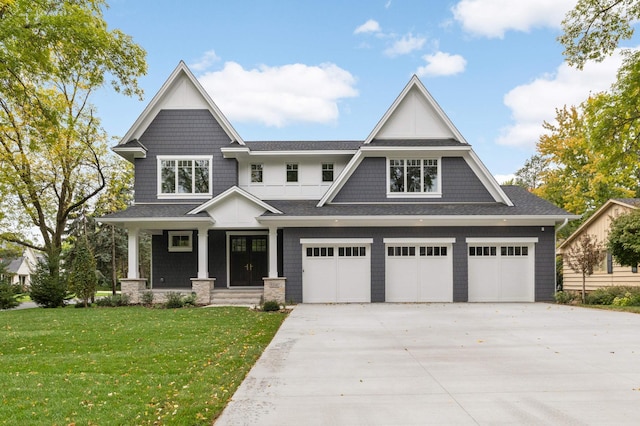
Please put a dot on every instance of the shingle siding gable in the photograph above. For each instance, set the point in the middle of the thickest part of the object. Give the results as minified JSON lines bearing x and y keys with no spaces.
{"x":369,"y":183}
{"x":183,"y":132}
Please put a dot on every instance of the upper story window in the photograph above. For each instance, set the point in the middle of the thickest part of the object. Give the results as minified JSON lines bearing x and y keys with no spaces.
{"x":184,"y":176}
{"x":327,"y":172}
{"x":419,"y":176}
{"x":256,"y":173}
{"x":292,"y":172}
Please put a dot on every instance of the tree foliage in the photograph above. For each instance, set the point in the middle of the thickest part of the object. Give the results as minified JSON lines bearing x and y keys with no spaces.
{"x":530,"y":176}
{"x":47,"y":290}
{"x":583,"y":256}
{"x":82,"y":279}
{"x":594,"y":28}
{"x":53,"y":55}
{"x":624,"y":239}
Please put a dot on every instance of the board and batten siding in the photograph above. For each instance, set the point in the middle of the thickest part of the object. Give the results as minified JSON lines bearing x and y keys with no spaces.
{"x":368,"y":183}
{"x":183,"y":132}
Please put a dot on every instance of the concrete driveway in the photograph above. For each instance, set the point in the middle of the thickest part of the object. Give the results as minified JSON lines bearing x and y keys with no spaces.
{"x":418,"y":364}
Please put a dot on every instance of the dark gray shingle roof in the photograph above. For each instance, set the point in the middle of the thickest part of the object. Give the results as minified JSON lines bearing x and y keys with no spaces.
{"x":155,"y":211}
{"x":303,"y":145}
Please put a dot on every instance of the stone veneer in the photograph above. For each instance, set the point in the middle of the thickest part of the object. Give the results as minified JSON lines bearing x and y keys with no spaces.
{"x":133,"y":287}
{"x":274,"y":289}
{"x":203,"y":288}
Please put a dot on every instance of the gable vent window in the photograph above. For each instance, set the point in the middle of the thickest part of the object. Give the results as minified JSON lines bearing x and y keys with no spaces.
{"x":292,"y":172}
{"x":184,"y":176}
{"x":414,"y":176}
{"x":327,"y":172}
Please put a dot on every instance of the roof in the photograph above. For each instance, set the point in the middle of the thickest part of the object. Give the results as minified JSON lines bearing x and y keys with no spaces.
{"x":14,"y":265}
{"x":160,"y":211}
{"x":303,"y":145}
{"x":525,"y":204}
{"x":416,"y":142}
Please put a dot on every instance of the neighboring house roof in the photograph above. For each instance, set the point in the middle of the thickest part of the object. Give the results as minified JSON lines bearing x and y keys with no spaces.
{"x":14,"y":265}
{"x":630,"y":203}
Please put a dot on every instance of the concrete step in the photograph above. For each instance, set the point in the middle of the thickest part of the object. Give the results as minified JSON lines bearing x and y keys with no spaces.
{"x":237,"y":297}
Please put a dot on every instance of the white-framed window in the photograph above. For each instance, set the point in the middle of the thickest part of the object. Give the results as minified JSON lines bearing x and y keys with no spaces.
{"x":327,"y":172}
{"x":180,"y":241}
{"x":292,"y":172}
{"x":256,"y":173}
{"x":413,"y":176}
{"x":183,"y":176}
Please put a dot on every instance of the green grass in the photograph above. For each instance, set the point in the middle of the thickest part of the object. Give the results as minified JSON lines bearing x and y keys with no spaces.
{"x":127,"y":365}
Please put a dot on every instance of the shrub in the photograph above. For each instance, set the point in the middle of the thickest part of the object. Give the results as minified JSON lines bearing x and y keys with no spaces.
{"x":601,"y":296}
{"x":174,"y":300}
{"x":190,"y":300}
{"x":565,"y":297}
{"x":47,"y":290}
{"x":8,"y":295}
{"x":271,"y":306}
{"x":147,"y":298}
{"x":83,"y":280}
{"x":113,"y":300}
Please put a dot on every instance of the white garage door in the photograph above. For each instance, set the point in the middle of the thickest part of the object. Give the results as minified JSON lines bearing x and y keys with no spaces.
{"x":419,"y":270}
{"x":502,"y":271}
{"x":336,"y":271}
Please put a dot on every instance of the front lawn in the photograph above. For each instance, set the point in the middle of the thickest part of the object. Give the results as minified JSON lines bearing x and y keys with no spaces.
{"x":128,"y":365}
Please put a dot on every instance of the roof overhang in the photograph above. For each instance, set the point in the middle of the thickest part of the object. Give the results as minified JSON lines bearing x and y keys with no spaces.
{"x":241,"y":152}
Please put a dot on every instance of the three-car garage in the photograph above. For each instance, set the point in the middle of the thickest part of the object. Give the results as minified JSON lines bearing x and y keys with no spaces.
{"x":418,"y":269}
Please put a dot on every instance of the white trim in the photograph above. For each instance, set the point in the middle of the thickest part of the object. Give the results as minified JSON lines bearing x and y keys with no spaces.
{"x":325,"y":241}
{"x":490,"y":182}
{"x":502,"y":240}
{"x":338,"y":182}
{"x":419,"y":240}
{"x":235,"y":152}
{"x":229,"y":192}
{"x":399,"y":220}
{"x":415,"y":82}
{"x":171,"y":248}
{"x":154,"y":105}
{"x":181,"y":195}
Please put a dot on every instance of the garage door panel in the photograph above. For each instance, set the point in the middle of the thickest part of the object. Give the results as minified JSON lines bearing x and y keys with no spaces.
{"x":354,"y":280}
{"x":436,"y":279}
{"x":319,"y":279}
{"x":402,"y":280}
{"x":484,"y":279}
{"x":516,"y":285}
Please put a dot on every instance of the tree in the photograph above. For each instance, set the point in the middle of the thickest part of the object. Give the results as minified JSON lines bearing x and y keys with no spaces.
{"x":594,"y":28}
{"x":47,"y":290}
{"x":531,"y":174}
{"x":8,"y":293}
{"x":584,"y":255}
{"x":53,"y":55}
{"x":82,"y":280}
{"x":624,"y":239}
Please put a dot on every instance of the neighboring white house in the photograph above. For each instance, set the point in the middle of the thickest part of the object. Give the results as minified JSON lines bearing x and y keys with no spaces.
{"x":20,"y":269}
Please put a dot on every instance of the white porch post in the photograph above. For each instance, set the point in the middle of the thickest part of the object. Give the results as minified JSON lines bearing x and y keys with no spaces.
{"x":273,"y":252}
{"x":133,"y":234}
{"x":203,"y":252}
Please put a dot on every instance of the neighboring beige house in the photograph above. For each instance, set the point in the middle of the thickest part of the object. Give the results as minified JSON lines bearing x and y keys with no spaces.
{"x":609,"y":273}
{"x":20,"y":269}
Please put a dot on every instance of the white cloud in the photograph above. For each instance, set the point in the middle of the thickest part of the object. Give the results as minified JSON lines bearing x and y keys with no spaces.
{"x":537,"y":101}
{"x":504,"y":178}
{"x":208,"y":59}
{"x":278,"y":96}
{"x":405,"y":45}
{"x":370,"y":26}
{"x":492,"y":18}
{"x":441,"y":63}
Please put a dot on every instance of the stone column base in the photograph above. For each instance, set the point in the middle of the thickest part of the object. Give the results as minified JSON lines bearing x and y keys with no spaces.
{"x":203,"y":288}
{"x":274,"y":289}
{"x":133,"y":287}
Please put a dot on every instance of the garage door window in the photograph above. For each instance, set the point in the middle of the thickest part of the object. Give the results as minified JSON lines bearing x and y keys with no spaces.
{"x":482,"y":251}
{"x":514,"y":251}
{"x":352,"y":251}
{"x":401,"y":251}
{"x":319,"y":251}
{"x":433,"y":251}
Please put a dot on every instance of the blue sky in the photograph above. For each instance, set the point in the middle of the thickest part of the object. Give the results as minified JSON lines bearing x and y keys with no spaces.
{"x":322,"y":70}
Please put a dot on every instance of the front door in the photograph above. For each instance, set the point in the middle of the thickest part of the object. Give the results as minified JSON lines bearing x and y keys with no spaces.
{"x":248,"y":260}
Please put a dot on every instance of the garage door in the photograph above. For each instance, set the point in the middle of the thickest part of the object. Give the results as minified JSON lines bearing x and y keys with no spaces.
{"x":419,"y":270}
{"x":336,"y":271}
{"x":501,"y":271}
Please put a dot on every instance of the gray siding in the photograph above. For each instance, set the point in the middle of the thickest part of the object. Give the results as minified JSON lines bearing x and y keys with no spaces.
{"x":218,"y":257}
{"x":544,"y":255}
{"x":369,"y":183}
{"x":172,"y":269}
{"x":183,"y":132}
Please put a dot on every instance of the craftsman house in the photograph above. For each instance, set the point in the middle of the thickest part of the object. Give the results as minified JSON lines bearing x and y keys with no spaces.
{"x":608,"y":273}
{"x":409,"y":214}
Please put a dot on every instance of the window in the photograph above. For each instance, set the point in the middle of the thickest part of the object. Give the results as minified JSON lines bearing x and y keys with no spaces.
{"x":319,"y":251}
{"x":482,"y":251}
{"x":327,"y":172}
{"x":292,"y":172}
{"x":352,"y":251}
{"x":256,"y":173}
{"x":401,"y":251}
{"x":433,"y":251}
{"x":514,"y":251}
{"x":413,"y":176}
{"x":180,"y":241}
{"x":184,"y":176}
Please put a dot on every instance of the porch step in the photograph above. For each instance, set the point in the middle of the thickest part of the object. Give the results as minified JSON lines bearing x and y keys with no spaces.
{"x":237,"y":296}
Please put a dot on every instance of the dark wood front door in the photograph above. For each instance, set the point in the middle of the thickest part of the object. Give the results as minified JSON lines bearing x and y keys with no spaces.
{"x":248,"y":260}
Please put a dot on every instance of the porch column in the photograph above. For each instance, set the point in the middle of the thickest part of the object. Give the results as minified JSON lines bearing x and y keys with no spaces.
{"x":203,"y":252}
{"x":133,"y":234}
{"x":273,"y":252}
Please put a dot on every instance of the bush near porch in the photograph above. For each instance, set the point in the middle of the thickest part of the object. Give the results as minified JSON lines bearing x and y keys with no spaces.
{"x":129,"y":365}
